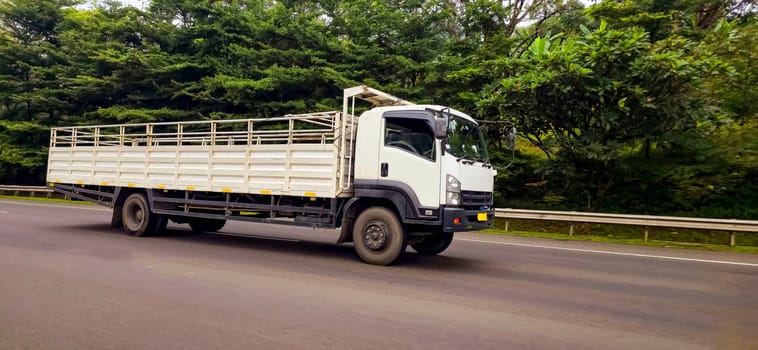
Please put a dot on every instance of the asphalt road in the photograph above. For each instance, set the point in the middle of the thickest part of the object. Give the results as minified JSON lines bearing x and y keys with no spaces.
{"x":68,"y":281}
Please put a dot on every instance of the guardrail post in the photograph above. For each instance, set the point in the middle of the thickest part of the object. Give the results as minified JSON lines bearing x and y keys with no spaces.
{"x":732,"y":239}
{"x":647,"y":233}
{"x":571,"y":230}
{"x":507,"y":223}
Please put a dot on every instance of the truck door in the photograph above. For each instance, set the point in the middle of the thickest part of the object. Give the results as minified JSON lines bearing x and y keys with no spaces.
{"x":409,"y":158}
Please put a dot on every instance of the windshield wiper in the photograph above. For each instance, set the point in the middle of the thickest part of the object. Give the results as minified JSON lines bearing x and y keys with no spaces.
{"x":464,"y":160}
{"x":485,"y":163}
{"x":470,"y":161}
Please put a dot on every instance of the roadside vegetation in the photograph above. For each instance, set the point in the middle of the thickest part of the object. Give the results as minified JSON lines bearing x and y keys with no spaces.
{"x":643,"y":107}
{"x":55,"y":199}
{"x":631,"y":241}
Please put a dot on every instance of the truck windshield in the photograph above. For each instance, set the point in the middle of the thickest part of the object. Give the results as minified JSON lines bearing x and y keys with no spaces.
{"x":465,"y":140}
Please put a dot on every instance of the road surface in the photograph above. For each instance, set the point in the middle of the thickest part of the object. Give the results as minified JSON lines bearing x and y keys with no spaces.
{"x":68,"y":281}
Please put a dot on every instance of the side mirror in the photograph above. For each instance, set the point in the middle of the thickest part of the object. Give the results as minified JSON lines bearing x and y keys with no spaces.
{"x":440,"y":128}
{"x":510,"y":138}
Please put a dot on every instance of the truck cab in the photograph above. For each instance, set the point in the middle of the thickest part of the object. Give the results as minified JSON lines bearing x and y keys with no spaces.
{"x":428,"y":164}
{"x":441,"y":174}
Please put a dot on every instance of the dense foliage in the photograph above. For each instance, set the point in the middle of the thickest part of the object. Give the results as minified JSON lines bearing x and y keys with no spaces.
{"x":635,"y":106}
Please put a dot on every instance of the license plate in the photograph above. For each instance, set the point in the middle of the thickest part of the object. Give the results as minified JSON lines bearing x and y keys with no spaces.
{"x":481,"y":216}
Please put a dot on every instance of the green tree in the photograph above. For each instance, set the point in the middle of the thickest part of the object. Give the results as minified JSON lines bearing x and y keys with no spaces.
{"x":662,"y":18}
{"x":588,"y":102}
{"x":31,"y":98}
{"x":734,"y":42}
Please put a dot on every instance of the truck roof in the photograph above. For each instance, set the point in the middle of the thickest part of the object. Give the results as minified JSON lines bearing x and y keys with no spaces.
{"x":383,"y":101}
{"x":423,"y":107}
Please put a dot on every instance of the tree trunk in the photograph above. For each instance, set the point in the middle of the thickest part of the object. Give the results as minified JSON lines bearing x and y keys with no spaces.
{"x":604,"y":183}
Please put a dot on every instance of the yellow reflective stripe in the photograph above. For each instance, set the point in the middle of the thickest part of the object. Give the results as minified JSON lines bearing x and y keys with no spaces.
{"x":190,"y":188}
{"x":226,"y":190}
{"x":265,"y":191}
{"x":310,"y":194}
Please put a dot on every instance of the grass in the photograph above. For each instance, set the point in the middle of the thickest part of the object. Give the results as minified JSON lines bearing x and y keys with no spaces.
{"x":628,"y":241}
{"x":45,"y":199}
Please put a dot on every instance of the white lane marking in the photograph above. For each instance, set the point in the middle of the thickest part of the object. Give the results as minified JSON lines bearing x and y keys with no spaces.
{"x":611,"y":253}
{"x":3,"y":212}
{"x":72,"y":206}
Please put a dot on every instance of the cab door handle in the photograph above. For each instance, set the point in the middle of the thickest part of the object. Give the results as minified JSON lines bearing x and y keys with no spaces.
{"x":385,"y":169}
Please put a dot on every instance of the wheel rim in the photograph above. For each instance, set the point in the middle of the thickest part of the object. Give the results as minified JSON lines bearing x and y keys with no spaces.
{"x":135,"y":215}
{"x":376,"y":235}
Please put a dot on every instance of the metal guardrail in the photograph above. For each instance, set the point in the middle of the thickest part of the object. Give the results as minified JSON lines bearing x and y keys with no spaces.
{"x":636,"y":220}
{"x":646,"y":221}
{"x":30,"y":190}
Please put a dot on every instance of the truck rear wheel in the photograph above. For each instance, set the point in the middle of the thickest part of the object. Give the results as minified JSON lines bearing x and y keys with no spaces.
{"x":137,"y":218}
{"x":206,"y":225}
{"x":378,"y":236}
{"x":433,"y":245}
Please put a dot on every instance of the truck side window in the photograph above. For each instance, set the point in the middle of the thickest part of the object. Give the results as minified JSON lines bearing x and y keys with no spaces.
{"x":412,"y":135}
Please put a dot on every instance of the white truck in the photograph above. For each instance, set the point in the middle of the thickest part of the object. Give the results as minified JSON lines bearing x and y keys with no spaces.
{"x":399,"y":174}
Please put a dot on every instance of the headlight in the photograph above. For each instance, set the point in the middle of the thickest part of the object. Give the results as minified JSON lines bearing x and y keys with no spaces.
{"x":453,"y":198}
{"x":453,"y":190}
{"x":453,"y":185}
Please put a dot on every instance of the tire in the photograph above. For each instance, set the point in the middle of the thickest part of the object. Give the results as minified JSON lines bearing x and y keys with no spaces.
{"x":433,"y":245}
{"x":378,"y":236}
{"x":206,"y":225}
{"x":136,"y":216}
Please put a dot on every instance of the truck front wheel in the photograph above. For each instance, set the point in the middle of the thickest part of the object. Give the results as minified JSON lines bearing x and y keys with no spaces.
{"x":378,"y":236}
{"x":137,"y":218}
{"x":433,"y":245}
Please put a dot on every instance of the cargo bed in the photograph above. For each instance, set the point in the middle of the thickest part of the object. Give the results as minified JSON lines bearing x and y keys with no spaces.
{"x":295,"y":155}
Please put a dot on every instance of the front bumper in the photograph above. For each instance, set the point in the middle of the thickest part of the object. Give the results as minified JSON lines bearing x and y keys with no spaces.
{"x":467,"y":220}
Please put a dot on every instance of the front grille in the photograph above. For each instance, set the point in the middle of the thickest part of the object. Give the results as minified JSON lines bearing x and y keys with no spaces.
{"x":476,"y":200}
